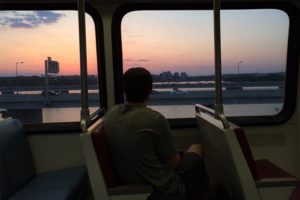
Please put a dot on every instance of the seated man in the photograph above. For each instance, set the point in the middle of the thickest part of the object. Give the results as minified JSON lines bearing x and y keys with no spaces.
{"x":142,"y":148}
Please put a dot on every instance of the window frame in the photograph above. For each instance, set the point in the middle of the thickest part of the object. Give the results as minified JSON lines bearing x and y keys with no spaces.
{"x":68,"y":127}
{"x":292,"y":62}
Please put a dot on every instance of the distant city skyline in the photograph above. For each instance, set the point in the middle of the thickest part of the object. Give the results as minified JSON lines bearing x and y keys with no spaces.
{"x":168,"y":74}
{"x":179,"y":41}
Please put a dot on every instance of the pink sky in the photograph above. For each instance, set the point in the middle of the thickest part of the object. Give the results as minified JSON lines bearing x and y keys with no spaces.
{"x":158,"y":40}
{"x":58,"y":40}
{"x":183,"y":40}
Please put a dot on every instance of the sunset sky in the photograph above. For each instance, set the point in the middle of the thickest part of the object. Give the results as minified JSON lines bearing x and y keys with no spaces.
{"x":177,"y":41}
{"x":33,"y":36}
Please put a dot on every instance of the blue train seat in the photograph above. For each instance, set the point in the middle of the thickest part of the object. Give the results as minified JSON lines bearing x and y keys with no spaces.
{"x":19,"y":181}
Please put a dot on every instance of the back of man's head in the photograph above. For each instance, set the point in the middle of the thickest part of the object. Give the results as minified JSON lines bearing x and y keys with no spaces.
{"x":137,"y":84}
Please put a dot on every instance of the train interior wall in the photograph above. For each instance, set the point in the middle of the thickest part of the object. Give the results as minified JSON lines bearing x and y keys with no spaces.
{"x":278,"y":143}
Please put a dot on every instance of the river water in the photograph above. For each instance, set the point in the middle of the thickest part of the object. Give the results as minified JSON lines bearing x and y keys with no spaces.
{"x":170,"y":111}
{"x":178,"y":111}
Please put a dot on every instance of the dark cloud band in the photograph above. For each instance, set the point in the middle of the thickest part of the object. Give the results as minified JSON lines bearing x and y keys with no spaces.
{"x":138,"y":60}
{"x":15,"y":19}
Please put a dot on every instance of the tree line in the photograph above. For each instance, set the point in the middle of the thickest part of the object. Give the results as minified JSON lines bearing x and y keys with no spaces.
{"x":74,"y":80}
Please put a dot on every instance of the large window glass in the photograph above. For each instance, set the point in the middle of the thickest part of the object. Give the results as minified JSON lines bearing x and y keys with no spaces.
{"x":177,"y":47}
{"x":40,"y":66}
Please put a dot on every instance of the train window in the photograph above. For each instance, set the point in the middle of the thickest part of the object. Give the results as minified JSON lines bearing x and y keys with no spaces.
{"x":254,"y":52}
{"x":40,"y":66}
{"x":177,"y":47}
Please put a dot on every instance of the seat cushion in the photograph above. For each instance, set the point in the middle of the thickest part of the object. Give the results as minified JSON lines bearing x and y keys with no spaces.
{"x":267,"y":169}
{"x":295,"y":195}
{"x":47,"y":194}
{"x":61,"y":184}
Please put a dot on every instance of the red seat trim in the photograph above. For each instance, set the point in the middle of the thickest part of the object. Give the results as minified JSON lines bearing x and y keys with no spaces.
{"x":241,"y":137}
{"x":267,"y":169}
{"x":104,"y":157}
{"x":259,"y":168}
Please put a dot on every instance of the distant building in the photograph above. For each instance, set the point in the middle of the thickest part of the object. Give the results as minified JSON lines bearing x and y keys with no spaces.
{"x":52,"y":66}
{"x":184,"y":76}
{"x":176,"y":76}
{"x":168,"y":76}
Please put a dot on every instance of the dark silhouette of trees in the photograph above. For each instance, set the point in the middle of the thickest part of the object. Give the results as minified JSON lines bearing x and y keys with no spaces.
{"x":74,"y":80}
{"x":38,"y":81}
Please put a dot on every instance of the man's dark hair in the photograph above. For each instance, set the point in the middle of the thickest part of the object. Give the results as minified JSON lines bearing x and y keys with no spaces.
{"x":137,"y":83}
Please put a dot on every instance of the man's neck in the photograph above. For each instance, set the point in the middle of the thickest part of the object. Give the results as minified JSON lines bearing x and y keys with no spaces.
{"x":136,"y":103}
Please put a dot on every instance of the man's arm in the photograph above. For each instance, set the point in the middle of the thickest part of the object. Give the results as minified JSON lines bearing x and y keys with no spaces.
{"x":164,"y":143}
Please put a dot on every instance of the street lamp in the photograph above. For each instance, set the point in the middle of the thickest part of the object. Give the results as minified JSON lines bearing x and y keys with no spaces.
{"x":239,"y":66}
{"x":17,"y":67}
{"x":17,"y":72}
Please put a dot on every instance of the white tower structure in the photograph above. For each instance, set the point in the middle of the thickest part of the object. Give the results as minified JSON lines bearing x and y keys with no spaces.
{"x":51,"y":69}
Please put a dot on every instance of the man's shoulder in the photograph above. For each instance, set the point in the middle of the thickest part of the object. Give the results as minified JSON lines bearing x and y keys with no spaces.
{"x":153,"y":113}
{"x":137,"y":112}
{"x":115,"y":109}
{"x":137,"y":109}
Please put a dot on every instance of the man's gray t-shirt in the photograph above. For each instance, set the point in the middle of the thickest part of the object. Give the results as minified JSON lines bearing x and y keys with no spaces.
{"x":140,"y":142}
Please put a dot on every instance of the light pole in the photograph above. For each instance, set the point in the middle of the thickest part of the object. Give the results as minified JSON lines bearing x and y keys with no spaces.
{"x":17,"y":73}
{"x":239,"y":66}
{"x":17,"y":67}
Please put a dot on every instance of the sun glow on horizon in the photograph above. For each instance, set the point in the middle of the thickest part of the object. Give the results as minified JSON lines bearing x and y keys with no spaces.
{"x":183,"y":40}
{"x":31,"y":37}
{"x":176,"y":41}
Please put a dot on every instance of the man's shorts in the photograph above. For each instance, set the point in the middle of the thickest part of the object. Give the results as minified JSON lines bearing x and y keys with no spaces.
{"x":193,"y":173}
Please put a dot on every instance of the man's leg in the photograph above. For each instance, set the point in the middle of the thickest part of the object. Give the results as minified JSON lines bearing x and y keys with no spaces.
{"x":194,"y":173}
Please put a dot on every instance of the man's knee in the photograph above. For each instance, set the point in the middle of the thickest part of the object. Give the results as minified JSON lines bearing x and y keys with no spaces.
{"x":196,"y":148}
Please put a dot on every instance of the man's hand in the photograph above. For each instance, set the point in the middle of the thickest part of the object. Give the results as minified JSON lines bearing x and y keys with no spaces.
{"x":174,"y":161}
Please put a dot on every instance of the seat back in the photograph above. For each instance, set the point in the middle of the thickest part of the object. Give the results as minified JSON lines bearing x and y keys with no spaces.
{"x":16,"y":162}
{"x":96,"y":177}
{"x":103,"y":156}
{"x":242,"y":139}
{"x":104,"y":181}
{"x":224,"y":158}
{"x":295,"y":195}
{"x":261,"y":169}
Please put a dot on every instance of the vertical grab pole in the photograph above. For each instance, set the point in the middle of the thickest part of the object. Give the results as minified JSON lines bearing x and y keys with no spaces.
{"x":218,"y":69}
{"x":85,"y":113}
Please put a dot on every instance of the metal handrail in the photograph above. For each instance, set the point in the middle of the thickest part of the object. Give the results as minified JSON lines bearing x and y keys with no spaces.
{"x":87,"y":122}
{"x":218,"y":113}
{"x":200,"y":108}
{"x":85,"y":113}
{"x":218,"y":60}
{"x":220,"y":116}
